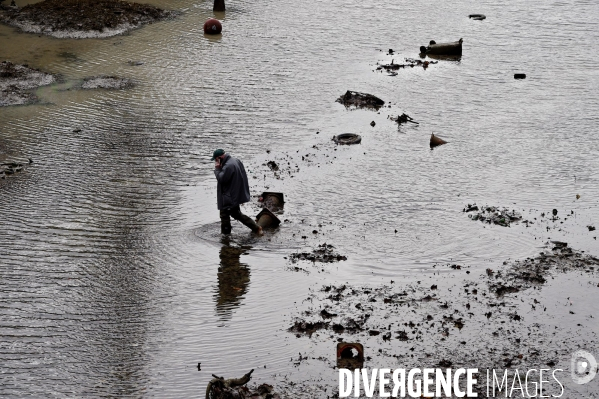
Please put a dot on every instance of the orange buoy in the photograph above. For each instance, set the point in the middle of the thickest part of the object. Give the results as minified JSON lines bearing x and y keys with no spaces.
{"x":212,"y":27}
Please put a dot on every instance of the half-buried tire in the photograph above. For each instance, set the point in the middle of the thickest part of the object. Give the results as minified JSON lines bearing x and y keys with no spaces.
{"x":347,"y":138}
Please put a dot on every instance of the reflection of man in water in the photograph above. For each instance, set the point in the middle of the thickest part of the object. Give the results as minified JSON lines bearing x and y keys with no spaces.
{"x":232,"y":190}
{"x":233,"y":280}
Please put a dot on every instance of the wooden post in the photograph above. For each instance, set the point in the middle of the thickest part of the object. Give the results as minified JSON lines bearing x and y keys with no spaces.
{"x":219,"y":5}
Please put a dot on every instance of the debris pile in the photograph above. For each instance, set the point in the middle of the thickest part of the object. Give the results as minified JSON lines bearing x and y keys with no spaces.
{"x":409,"y":62}
{"x":324,"y":253}
{"x":234,"y":388}
{"x":536,"y":271}
{"x":493,"y":215}
{"x":360,"y":100}
{"x":477,"y":320}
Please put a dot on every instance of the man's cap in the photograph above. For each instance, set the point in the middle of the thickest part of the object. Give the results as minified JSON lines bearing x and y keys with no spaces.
{"x":217,"y":153}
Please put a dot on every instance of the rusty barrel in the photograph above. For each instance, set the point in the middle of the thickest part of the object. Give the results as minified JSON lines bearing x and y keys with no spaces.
{"x":267,"y":219}
{"x":272,"y":200}
{"x":453,"y":48}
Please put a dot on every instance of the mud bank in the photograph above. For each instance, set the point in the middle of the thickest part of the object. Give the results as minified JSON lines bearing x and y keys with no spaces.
{"x":16,"y":81}
{"x":496,"y":319}
{"x":81,"y":19}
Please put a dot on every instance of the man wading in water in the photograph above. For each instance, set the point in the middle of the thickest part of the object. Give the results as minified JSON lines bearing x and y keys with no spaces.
{"x":232,"y":190}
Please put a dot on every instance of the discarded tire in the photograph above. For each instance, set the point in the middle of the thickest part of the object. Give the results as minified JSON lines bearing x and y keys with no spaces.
{"x":519,"y":76}
{"x":477,"y":17}
{"x":348,"y":138}
{"x":212,"y":27}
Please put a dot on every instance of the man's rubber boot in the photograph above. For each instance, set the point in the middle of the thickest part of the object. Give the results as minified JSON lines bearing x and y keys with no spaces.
{"x":226,"y":230}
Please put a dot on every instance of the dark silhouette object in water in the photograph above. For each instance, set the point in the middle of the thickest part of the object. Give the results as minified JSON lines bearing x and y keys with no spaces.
{"x":219,"y":5}
{"x":477,"y":17}
{"x":403,"y":118}
{"x":272,"y":201}
{"x":436,"y":141}
{"x":233,"y":279}
{"x":360,"y":100}
{"x":266,"y":219}
{"x":350,"y":355}
{"x":452,"y":48}
{"x":519,"y":76}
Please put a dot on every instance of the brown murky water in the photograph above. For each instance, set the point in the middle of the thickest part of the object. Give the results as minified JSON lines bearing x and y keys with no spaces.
{"x":113,"y":278}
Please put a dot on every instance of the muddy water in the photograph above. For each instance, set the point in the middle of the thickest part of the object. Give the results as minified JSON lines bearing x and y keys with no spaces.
{"x":114,"y":280}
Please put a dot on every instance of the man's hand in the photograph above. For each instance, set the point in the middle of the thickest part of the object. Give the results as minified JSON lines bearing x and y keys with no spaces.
{"x":217,"y":163}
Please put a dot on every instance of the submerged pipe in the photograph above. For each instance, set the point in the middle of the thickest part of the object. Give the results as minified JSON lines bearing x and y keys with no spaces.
{"x":453,"y":48}
{"x":350,"y":355}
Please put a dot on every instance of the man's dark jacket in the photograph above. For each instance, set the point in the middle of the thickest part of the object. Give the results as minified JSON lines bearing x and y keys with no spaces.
{"x":232,"y":188}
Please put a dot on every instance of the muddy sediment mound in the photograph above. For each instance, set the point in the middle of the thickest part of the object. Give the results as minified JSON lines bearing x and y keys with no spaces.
{"x":17,"y":80}
{"x":492,"y":214}
{"x":324,"y":253}
{"x":468,"y":320}
{"x":532,"y":272}
{"x":81,"y":18}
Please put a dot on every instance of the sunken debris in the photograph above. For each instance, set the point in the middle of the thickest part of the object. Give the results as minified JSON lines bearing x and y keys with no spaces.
{"x":8,"y":169}
{"x":403,"y":118}
{"x":477,"y":17}
{"x":324,"y":253}
{"x":408,"y":63}
{"x":436,"y":141}
{"x":493,"y":215}
{"x":360,"y":100}
{"x":452,"y":48}
{"x":17,"y":81}
{"x":107,"y":82}
{"x":233,"y":388}
{"x":81,"y":18}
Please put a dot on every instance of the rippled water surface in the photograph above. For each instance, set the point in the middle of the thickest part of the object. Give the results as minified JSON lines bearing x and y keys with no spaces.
{"x":114,"y":280}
